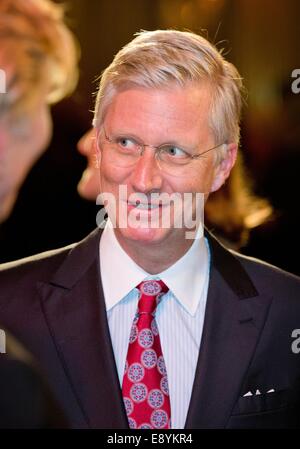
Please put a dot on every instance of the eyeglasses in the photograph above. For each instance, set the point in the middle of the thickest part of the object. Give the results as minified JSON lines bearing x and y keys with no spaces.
{"x":172,"y":159}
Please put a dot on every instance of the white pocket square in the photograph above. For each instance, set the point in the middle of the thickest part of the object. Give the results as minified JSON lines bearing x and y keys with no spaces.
{"x":248,"y":394}
{"x":257,"y":393}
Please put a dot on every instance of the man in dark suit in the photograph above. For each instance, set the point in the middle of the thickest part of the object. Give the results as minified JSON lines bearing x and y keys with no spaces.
{"x":140,"y":325}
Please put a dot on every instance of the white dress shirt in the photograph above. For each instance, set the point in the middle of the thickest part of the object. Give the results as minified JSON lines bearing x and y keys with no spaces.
{"x":179,"y":316}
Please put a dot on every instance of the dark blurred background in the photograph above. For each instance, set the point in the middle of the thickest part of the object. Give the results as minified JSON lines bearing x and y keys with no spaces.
{"x":261,"y":37}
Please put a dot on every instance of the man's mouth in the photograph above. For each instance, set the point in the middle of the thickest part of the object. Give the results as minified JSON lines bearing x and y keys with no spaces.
{"x":144,"y":206}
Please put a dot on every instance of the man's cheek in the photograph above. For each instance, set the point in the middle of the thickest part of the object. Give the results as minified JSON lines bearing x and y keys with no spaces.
{"x":112,"y":175}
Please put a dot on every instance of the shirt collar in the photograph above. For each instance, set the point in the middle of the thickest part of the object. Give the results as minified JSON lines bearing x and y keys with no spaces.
{"x":120,"y":274}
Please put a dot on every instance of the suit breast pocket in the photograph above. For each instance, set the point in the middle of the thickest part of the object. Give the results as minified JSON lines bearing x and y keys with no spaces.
{"x":259,"y":403}
{"x":278,"y":409}
{"x":263,"y":402}
{"x":287,"y":417}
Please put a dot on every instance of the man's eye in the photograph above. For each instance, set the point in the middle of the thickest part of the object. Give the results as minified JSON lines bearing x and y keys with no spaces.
{"x":125,"y":142}
{"x":176,"y":152}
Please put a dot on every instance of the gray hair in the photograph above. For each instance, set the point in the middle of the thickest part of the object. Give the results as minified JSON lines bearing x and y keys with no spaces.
{"x":154,"y":59}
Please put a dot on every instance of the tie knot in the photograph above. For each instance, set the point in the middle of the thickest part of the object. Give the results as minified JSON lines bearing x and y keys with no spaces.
{"x":150,"y":295}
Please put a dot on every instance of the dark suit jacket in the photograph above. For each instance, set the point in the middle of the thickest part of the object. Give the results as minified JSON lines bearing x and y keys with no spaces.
{"x":25,"y":399}
{"x":54,"y":303}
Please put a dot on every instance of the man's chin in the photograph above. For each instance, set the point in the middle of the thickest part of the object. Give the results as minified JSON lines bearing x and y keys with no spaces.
{"x":88,"y":186}
{"x":143,"y":235}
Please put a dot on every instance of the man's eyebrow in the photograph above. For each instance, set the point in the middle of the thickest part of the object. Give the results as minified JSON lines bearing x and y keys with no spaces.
{"x":140,"y":140}
{"x":126,"y":134}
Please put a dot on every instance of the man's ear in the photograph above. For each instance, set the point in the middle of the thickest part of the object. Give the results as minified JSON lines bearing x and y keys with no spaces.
{"x":223,"y":168}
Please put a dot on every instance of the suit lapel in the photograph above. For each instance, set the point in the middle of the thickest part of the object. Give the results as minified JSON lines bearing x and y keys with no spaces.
{"x":235,"y":316}
{"x":73,"y":304}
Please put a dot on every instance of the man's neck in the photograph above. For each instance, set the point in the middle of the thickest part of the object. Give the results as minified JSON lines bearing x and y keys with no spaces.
{"x":154,"y":257}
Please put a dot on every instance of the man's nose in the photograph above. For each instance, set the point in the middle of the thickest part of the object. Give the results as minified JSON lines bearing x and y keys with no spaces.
{"x":146,"y":175}
{"x":85,"y":144}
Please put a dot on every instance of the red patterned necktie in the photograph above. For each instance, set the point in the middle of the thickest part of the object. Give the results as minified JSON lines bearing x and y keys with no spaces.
{"x":145,"y":384}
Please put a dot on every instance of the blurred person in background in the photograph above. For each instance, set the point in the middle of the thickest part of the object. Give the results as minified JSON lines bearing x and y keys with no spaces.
{"x":278,"y":169}
{"x":234,"y":211}
{"x":89,"y":184}
{"x":39,"y":56}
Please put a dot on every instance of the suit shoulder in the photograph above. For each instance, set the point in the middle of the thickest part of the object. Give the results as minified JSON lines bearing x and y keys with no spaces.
{"x":33,"y":267}
{"x":23,"y":274}
{"x":271,"y":278}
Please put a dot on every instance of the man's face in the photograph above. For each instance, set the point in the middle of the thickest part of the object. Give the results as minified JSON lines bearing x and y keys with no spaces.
{"x":158,"y":116}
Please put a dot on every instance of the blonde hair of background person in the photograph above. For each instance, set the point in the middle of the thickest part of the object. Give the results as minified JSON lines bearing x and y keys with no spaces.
{"x":234,"y":210}
{"x":39,"y":56}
